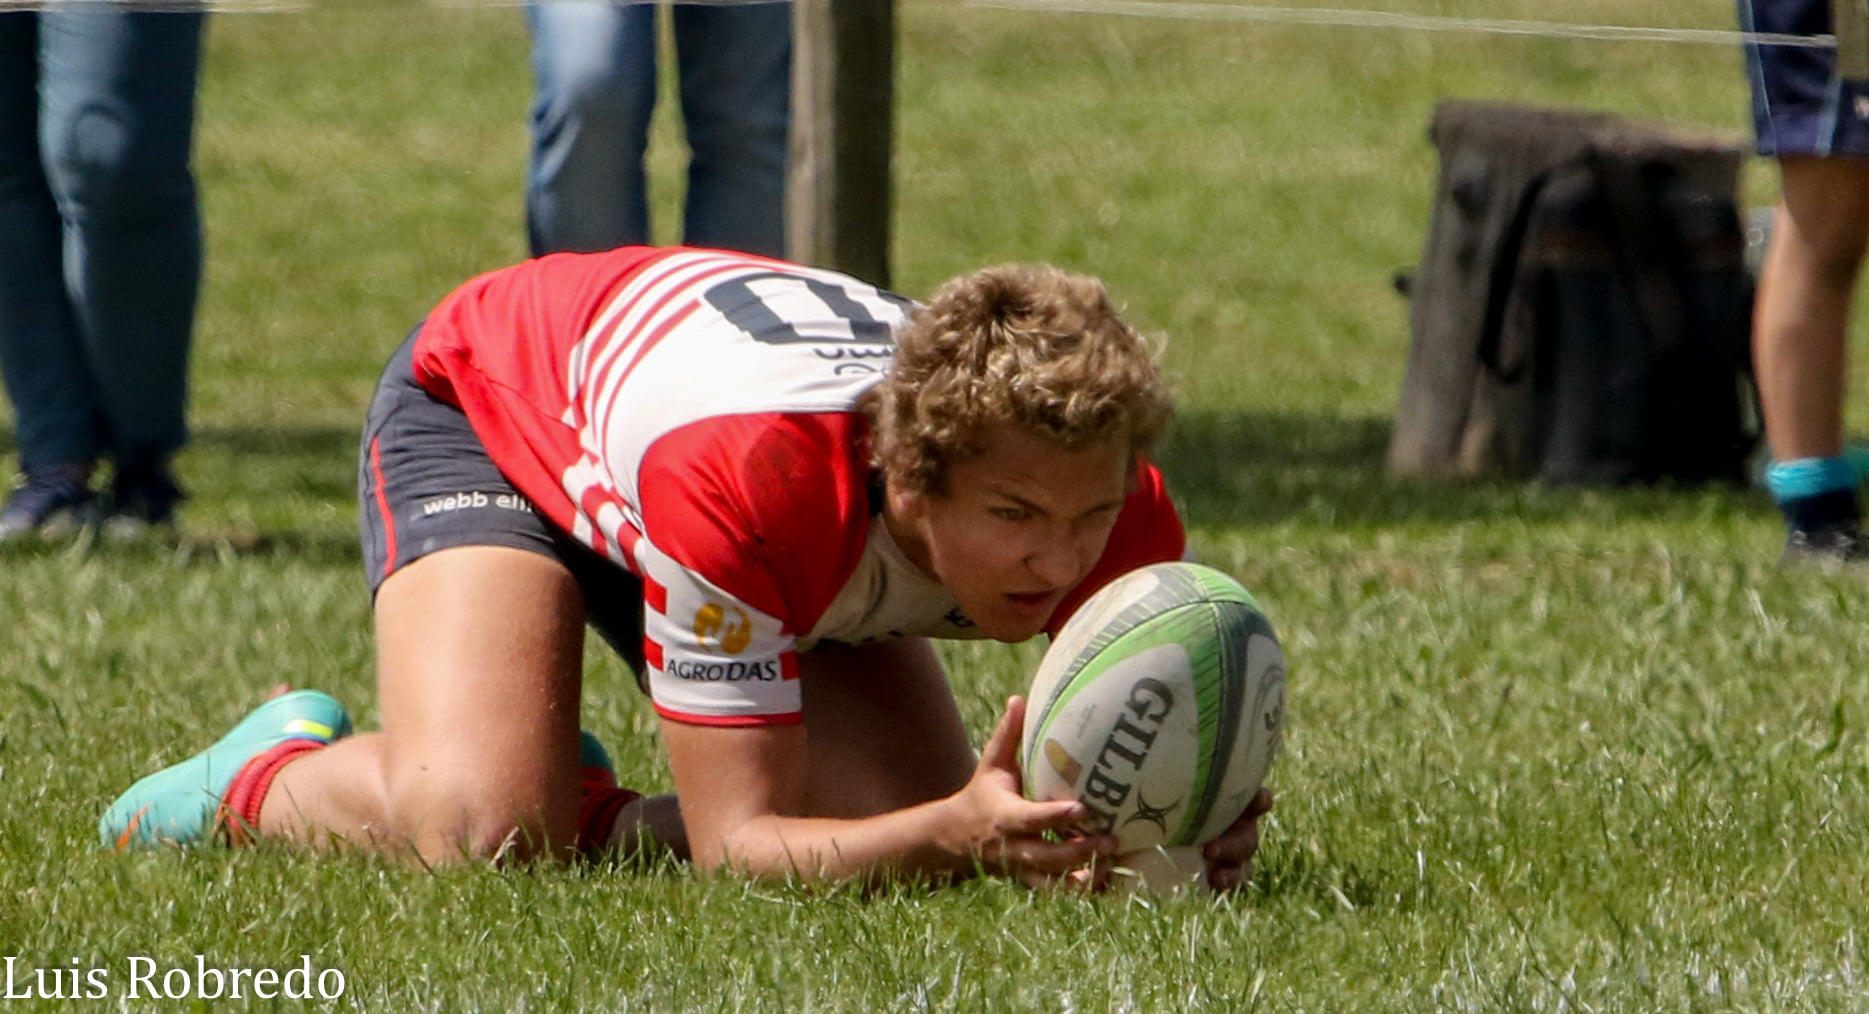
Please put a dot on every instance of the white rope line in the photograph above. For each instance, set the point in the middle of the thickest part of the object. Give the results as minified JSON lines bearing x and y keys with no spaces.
{"x":1181,"y":10}
{"x":685,"y":3}
{"x":1415,"y":22}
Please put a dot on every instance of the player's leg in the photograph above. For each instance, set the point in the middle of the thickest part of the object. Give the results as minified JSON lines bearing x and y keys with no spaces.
{"x":1800,"y":339}
{"x":480,"y":634}
{"x":479,"y":629}
{"x":593,"y":64}
{"x":478,"y":653}
{"x":885,"y":732}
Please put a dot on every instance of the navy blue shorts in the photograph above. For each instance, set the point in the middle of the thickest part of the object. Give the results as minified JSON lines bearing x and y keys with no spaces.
{"x":1800,"y":106}
{"x":425,"y":483}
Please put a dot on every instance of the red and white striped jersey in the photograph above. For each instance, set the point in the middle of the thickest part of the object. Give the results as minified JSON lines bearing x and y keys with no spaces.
{"x":691,"y":415}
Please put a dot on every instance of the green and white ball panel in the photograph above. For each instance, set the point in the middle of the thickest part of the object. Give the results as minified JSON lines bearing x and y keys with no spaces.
{"x":1160,"y":705}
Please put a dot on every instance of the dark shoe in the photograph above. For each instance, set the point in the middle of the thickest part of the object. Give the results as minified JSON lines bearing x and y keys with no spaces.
{"x":1829,"y":548}
{"x":49,"y":502}
{"x":142,"y":500}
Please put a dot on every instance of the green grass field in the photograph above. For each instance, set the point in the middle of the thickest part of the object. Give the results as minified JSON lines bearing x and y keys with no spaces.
{"x":1551,"y":750}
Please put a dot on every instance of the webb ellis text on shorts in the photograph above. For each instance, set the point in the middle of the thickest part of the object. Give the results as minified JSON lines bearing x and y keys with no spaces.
{"x":146,"y":978}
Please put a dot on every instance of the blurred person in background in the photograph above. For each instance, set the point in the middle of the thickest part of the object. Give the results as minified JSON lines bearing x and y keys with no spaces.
{"x":594,"y":63}
{"x":1811,"y":112}
{"x":101,"y":260}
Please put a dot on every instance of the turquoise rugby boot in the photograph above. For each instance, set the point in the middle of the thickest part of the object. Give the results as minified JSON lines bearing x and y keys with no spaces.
{"x":183,"y":804}
{"x":600,"y":798}
{"x":594,"y":764}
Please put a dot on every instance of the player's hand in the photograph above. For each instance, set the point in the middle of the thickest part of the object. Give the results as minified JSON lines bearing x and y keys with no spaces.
{"x":1034,"y":842}
{"x":1229,"y":857}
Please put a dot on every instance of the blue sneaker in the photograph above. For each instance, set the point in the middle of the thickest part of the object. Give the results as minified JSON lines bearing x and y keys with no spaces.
{"x":183,"y":803}
{"x":50,"y":502}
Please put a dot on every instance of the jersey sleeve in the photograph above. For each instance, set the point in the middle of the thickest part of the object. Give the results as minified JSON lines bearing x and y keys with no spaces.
{"x":752,"y":523}
{"x":1148,"y":530}
{"x":496,"y":349}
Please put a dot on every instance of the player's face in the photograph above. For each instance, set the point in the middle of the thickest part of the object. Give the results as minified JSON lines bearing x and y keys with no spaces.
{"x":1017,"y":528}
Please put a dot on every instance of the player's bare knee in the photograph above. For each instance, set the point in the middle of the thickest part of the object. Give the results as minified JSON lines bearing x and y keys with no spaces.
{"x":510,"y":838}
{"x":460,"y":820}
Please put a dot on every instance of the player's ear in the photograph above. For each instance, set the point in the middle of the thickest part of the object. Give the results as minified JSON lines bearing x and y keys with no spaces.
{"x":907,"y":504}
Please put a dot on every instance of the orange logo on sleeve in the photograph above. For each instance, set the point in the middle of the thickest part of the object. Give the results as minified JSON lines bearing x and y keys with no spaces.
{"x":727,"y":629}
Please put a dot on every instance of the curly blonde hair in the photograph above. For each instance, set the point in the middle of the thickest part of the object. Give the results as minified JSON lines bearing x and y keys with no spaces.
{"x":1030,"y":345}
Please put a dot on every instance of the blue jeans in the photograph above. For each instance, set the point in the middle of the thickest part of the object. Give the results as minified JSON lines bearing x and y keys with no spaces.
{"x":100,"y":234}
{"x":594,"y":64}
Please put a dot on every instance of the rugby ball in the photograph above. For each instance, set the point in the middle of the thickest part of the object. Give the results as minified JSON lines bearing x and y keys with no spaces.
{"x":1160,"y":704}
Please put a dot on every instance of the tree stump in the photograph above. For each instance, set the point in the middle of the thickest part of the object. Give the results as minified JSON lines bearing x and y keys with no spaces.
{"x":1456,"y":418}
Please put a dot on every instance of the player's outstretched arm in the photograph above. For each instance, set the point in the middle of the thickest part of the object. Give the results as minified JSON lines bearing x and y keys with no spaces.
{"x":745,"y":804}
